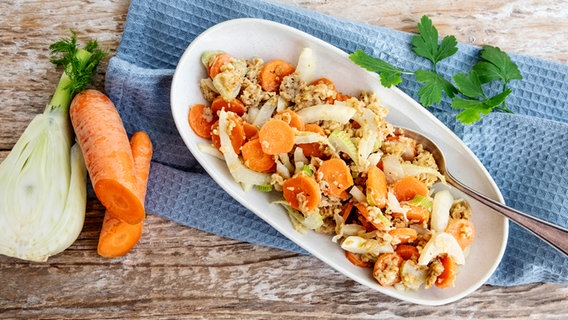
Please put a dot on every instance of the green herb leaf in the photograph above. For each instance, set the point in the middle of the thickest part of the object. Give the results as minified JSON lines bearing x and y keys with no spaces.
{"x":389,"y":74}
{"x":434,"y":85}
{"x":425,"y":44}
{"x":496,"y":65}
{"x":469,"y":84}
{"x":473,"y":109}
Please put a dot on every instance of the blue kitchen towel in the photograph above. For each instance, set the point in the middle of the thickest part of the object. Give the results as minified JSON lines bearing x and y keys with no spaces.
{"x":525,"y":152}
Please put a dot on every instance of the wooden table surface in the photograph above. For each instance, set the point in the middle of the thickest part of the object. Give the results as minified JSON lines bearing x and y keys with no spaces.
{"x":178,"y":272}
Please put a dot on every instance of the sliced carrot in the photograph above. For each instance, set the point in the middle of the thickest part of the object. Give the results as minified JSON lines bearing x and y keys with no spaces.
{"x":376,"y":222}
{"x":313,"y":149}
{"x":377,"y":190}
{"x":234,"y":105}
{"x":292,"y":118}
{"x":276,"y":136}
{"x":302,"y":192}
{"x":200,"y":120}
{"x":346,"y":210}
{"x":108,"y":157}
{"x":418,"y":213}
{"x":272,"y":73}
{"x":387,"y":269}
{"x":255,"y":159}
{"x":448,"y":276}
{"x":251,"y":131}
{"x":463,"y":230}
{"x":238,"y":135}
{"x":217,"y":62}
{"x":365,"y":223}
{"x":342,"y":97}
{"x":324,"y":81}
{"x":117,"y":237}
{"x":407,"y":187}
{"x":355,"y":259}
{"x":336,"y":175}
{"x":403,"y":235}
{"x":407,"y":251}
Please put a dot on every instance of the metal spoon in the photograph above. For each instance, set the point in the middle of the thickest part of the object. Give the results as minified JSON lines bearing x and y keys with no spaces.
{"x":554,"y":235}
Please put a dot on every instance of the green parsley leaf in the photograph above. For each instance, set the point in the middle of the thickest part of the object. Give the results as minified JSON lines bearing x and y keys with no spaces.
{"x":496,"y":65}
{"x":434,"y":85}
{"x":389,"y":74}
{"x":472,"y":108}
{"x":469,"y":84}
{"x":425,"y":44}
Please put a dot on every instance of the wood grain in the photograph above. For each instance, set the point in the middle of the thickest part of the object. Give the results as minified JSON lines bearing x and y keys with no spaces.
{"x":177,"y":272}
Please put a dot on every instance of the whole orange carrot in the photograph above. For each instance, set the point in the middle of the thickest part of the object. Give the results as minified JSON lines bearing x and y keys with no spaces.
{"x":108,"y":157}
{"x":117,"y":237}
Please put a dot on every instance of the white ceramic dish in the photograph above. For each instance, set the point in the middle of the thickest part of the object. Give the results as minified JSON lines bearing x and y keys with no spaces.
{"x":246,"y":38}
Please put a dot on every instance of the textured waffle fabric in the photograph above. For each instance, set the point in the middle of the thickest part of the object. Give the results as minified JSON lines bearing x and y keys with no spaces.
{"x":525,"y":152}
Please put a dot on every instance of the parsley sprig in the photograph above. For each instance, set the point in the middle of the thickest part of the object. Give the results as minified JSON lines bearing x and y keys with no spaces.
{"x":467,"y":90}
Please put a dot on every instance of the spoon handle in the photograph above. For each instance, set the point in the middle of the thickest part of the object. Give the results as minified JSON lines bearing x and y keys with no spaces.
{"x":554,"y":235}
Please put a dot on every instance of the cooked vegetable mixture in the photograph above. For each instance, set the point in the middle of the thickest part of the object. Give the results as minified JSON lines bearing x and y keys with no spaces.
{"x":341,"y":168}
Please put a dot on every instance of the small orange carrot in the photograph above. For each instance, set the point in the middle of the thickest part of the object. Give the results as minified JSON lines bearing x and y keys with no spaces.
{"x":418,"y":213}
{"x":251,"y":131}
{"x":200,"y":120}
{"x":255,"y":159}
{"x":403,"y":235}
{"x":463,"y":230}
{"x":375,"y":221}
{"x":238,"y":134}
{"x":292,"y":118}
{"x":302,"y":192}
{"x":272,"y":73}
{"x":448,"y":276}
{"x":355,"y":259}
{"x":234,"y":105}
{"x":407,"y":187}
{"x":313,"y":149}
{"x":377,"y":190}
{"x":407,"y":252}
{"x":117,"y":237}
{"x":387,"y":269}
{"x":108,"y":157}
{"x":336,"y":175}
{"x":276,"y":136}
{"x":217,"y":62}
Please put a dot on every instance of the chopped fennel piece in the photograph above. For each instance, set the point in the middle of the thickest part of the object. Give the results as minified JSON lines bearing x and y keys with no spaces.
{"x":306,"y":65}
{"x":333,"y":112}
{"x":412,"y":275}
{"x":228,"y":85}
{"x":209,"y":149}
{"x":415,"y":170}
{"x":441,"y":243}
{"x":265,"y":113}
{"x":420,"y":200}
{"x":392,"y":168}
{"x":358,"y":194}
{"x":207,"y":55}
{"x":237,"y":169}
{"x":341,"y":142}
{"x":441,"y":206}
{"x":300,"y":223}
{"x":285,"y":160}
{"x":308,"y":137}
{"x":395,"y":206}
{"x":370,"y":128}
{"x":282,"y":170}
{"x":356,"y":244}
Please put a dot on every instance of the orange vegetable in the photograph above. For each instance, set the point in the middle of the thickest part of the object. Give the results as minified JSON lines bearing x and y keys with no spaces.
{"x":276,"y":136}
{"x":234,"y":105}
{"x":418,"y":213}
{"x":376,"y":222}
{"x":217,"y":62}
{"x":377,"y":190}
{"x":404,"y":235}
{"x":302,"y":192}
{"x":346,"y":211}
{"x":406,"y":188}
{"x":463,"y":230}
{"x":108,"y":157}
{"x":200,"y":120}
{"x":448,"y":276}
{"x":387,"y":269}
{"x":272,"y":73}
{"x":313,"y":149}
{"x":336,"y":175}
{"x":237,"y":136}
{"x":117,"y":237}
{"x":251,"y":131}
{"x":355,"y":259}
{"x":292,"y":118}
{"x":255,"y":159}
{"x":407,"y":252}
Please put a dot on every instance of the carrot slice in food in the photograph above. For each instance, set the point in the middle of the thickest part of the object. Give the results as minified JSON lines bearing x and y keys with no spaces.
{"x":234,"y":105}
{"x":377,"y":190}
{"x":336,"y":175}
{"x":302,"y":192}
{"x":272,"y":73}
{"x":463,"y":230}
{"x":276,"y":136}
{"x":387,"y":269}
{"x":255,"y":159}
{"x":201,"y":120}
{"x":448,"y":276}
{"x":408,"y":187}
